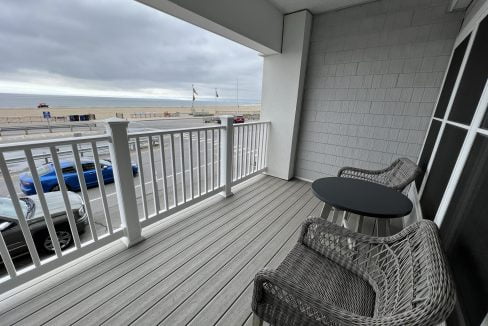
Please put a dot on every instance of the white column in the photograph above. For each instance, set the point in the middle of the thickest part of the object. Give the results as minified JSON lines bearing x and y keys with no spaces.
{"x":124,"y":180}
{"x":283,"y":79}
{"x":226,"y":150}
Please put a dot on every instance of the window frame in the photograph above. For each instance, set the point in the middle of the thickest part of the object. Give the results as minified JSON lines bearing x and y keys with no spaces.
{"x":472,"y":129}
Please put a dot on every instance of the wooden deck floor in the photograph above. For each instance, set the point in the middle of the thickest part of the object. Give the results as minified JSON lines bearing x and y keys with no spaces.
{"x":194,"y":269}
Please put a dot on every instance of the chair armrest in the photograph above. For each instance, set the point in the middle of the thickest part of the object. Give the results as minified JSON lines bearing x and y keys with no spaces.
{"x":295,"y":297}
{"x":319,"y":225}
{"x":349,"y":170}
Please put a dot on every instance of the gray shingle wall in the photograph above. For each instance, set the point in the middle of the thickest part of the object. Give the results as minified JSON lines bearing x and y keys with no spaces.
{"x":373,"y":75}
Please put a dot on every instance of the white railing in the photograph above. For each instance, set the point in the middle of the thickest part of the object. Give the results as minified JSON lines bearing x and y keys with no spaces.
{"x":45,"y":211}
{"x":250,"y":141}
{"x":176,"y":169}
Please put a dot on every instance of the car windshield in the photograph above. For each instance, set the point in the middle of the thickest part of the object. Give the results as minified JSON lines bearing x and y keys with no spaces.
{"x":41,"y":170}
{"x":7,"y":207}
{"x":105,"y":162}
{"x":44,"y":169}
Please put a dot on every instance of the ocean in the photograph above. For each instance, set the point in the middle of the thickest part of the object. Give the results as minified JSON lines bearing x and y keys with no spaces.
{"x":31,"y":101}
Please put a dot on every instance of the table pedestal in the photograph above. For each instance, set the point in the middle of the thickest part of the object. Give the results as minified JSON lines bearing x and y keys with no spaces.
{"x":355,"y":222}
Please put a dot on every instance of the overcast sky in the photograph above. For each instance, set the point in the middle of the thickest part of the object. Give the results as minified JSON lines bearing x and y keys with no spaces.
{"x":117,"y":48}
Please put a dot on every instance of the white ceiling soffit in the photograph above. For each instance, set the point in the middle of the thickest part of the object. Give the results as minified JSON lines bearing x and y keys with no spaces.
{"x":315,"y":6}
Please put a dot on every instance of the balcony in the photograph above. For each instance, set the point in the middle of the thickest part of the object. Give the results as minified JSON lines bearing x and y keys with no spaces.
{"x":196,"y":267}
{"x":358,"y":86}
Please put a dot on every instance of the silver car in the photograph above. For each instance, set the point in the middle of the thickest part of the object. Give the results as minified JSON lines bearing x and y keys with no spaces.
{"x":31,"y":207}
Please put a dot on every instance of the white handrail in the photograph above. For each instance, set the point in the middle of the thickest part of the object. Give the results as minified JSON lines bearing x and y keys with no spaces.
{"x":11,"y":147}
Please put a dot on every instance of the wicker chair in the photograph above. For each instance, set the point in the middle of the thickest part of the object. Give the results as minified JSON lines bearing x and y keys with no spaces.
{"x":337,"y":277}
{"x":397,"y":176}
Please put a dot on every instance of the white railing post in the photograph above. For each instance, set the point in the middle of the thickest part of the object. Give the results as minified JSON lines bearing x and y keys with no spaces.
{"x":124,"y":180}
{"x":227,"y":150}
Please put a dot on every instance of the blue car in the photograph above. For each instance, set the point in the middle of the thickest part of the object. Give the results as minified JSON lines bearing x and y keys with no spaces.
{"x":49,"y":182}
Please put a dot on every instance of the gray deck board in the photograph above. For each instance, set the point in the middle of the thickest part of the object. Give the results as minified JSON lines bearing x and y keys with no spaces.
{"x":196,"y":271}
{"x":15,"y":309}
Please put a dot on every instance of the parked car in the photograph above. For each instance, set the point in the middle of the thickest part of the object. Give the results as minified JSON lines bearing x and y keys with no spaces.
{"x":237,"y":119}
{"x":212,"y":120}
{"x":12,"y":234}
{"x":49,"y":182}
{"x":42,"y":106}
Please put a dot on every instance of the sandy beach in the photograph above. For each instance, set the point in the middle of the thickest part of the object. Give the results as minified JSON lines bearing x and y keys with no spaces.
{"x":33,"y":114}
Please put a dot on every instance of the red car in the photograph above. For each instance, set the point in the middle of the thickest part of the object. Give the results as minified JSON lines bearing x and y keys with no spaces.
{"x":239,"y":119}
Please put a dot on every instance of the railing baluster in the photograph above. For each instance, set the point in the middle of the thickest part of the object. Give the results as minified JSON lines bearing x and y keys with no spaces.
{"x":101,"y":186}
{"x":241,"y":160}
{"x":24,"y":227}
{"x":219,"y":157}
{"x":198,"y":165}
{"x":254,"y":147}
{"x":243,"y":152}
{"x":205,"y":160}
{"x":6,"y":259}
{"x":235,"y":154}
{"x":84,"y":191}
{"x":248,"y":149}
{"x":163,"y":172}
{"x":246,"y":129}
{"x":182,"y":167}
{"x":153,"y":176}
{"x":238,"y":149}
{"x":265,"y":151}
{"x":42,"y":199}
{"x":64,"y":193}
{"x":141,"y":178}
{"x":190,"y":157}
{"x":173,"y":166}
{"x":258,"y":154}
{"x":251,"y":148}
{"x":263,"y":134}
{"x":212,"y":170}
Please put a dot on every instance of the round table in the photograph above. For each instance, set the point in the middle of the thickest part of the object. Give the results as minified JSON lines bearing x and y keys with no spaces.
{"x":362,"y":198}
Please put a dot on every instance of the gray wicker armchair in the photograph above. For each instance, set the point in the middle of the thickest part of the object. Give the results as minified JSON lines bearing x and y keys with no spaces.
{"x":337,"y":277}
{"x":397,"y":176}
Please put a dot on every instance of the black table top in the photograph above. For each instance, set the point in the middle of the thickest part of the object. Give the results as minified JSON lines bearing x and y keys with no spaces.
{"x":362,"y":197}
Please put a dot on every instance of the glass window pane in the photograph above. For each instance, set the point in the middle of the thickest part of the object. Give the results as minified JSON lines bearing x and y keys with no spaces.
{"x":445,"y":158}
{"x":427,"y":151}
{"x":452,"y":73}
{"x":464,"y":231}
{"x":474,"y":78}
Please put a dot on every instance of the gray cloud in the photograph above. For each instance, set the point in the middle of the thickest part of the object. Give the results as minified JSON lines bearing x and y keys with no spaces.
{"x":120,"y":45}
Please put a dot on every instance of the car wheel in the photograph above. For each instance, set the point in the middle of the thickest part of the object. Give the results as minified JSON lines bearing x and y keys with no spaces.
{"x":64,"y":238}
{"x":55,"y":188}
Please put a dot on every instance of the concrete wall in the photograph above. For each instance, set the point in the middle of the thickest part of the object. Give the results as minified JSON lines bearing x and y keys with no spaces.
{"x":373,"y":77}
